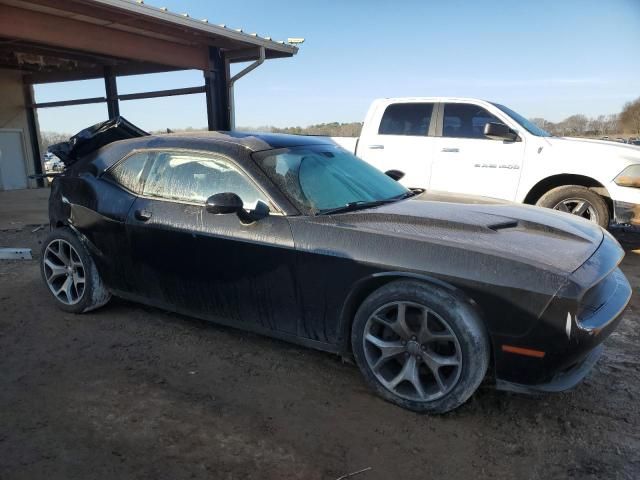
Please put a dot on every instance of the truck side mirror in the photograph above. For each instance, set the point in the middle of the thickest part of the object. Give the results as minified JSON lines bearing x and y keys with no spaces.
{"x":499,"y":131}
{"x":395,"y":174}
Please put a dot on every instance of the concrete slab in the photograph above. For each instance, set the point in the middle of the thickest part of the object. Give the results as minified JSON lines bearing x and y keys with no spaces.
{"x":15,"y":254}
{"x":19,"y":208}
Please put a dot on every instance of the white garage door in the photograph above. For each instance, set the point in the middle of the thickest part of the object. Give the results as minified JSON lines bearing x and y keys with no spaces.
{"x":12,"y":168}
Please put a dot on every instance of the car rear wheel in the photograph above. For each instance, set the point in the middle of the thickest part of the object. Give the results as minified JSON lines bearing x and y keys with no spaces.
{"x":420,"y":346}
{"x":70,"y":273}
{"x":579,"y":201}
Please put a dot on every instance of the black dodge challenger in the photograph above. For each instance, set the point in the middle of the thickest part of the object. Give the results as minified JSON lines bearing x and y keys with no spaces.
{"x":295,"y":238}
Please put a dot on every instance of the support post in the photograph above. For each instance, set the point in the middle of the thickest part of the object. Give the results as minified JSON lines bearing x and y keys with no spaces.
{"x":111,"y":88}
{"x":32,"y":126}
{"x":216,"y":79}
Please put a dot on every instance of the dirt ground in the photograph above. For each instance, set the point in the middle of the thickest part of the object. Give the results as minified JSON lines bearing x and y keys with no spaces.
{"x":135,"y":392}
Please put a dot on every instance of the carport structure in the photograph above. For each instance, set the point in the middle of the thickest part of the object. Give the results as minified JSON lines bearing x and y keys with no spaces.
{"x":45,"y":41}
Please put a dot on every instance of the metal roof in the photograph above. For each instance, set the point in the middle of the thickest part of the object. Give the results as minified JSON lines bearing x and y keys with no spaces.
{"x":54,"y":40}
{"x":201,"y":25}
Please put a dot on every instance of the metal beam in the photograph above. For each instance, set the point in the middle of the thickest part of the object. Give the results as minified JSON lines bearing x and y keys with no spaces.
{"x":125,"y":97}
{"x":111,"y":89}
{"x":216,"y":78}
{"x":97,"y":72}
{"x":68,"y":103}
{"x":32,"y":126}
{"x":163,"y":93}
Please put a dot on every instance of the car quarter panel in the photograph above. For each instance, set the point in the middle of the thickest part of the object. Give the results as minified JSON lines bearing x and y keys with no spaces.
{"x":97,"y":210}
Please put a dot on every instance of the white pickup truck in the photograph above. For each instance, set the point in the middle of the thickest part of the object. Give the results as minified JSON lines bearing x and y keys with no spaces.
{"x":476,"y":147}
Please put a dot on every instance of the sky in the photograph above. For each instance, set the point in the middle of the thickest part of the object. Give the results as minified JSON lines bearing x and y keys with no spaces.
{"x":542,"y":58}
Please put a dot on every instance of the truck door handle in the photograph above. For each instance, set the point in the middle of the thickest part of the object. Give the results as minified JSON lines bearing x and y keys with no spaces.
{"x":450,"y":150}
{"x":142,"y":215}
{"x":376,"y":147}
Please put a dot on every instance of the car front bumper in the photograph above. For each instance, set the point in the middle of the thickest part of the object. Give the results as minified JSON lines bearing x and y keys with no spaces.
{"x":567,"y":339}
{"x":561,"y":381}
{"x":626,"y":213}
{"x":626,"y":203}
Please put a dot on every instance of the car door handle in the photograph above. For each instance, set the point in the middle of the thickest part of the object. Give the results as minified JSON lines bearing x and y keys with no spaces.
{"x":450,"y":150}
{"x":142,"y":215}
{"x":376,"y":147}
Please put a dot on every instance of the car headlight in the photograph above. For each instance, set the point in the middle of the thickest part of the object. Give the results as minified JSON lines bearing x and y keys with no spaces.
{"x":629,"y":177}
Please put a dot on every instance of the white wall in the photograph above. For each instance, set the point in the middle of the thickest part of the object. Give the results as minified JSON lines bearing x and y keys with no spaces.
{"x":13,"y":114}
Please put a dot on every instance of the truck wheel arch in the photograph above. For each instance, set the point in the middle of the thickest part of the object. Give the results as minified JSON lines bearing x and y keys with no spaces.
{"x":548,"y":183}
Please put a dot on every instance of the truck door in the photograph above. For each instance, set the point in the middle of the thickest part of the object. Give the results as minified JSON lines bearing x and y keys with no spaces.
{"x":465,"y":161}
{"x":403,"y":141}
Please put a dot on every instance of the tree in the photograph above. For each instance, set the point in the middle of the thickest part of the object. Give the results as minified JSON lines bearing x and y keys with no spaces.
{"x":613,"y":123}
{"x":599,"y":125}
{"x":576,"y":124}
{"x":540,"y":122}
{"x":51,"y":138}
{"x":630,"y":117}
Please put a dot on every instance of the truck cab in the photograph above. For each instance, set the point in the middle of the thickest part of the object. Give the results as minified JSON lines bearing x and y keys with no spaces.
{"x":476,"y":147}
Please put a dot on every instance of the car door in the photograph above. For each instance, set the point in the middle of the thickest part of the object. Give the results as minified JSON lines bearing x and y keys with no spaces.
{"x":402,"y":142}
{"x":212,"y":266}
{"x":465,"y":161}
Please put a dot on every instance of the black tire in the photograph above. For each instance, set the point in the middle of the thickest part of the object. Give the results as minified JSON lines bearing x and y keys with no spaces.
{"x":556,"y":197}
{"x":93,"y":294}
{"x":449,"y":306}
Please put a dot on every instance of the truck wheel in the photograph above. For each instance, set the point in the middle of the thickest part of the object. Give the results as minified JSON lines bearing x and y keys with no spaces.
{"x":579,"y":201}
{"x":419,"y":346}
{"x":70,"y":273}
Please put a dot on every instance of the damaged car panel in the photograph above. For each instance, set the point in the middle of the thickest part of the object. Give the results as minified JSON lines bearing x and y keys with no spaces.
{"x":295,"y":238}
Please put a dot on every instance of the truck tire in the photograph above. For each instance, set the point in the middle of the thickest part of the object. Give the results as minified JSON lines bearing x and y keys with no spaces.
{"x":579,"y":201}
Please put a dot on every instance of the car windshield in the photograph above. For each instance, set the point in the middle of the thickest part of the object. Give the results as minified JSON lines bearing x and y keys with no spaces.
{"x":321,"y":178}
{"x":528,"y":125}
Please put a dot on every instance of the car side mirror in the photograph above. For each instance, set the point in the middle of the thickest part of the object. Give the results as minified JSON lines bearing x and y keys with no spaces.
{"x":260,"y":211}
{"x":499,"y":131}
{"x":222,"y":203}
{"x":395,"y":174}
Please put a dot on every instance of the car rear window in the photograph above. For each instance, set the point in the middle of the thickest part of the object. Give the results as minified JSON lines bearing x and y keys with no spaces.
{"x":128,"y":172}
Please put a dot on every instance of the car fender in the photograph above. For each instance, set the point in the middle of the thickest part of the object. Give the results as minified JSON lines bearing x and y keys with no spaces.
{"x":366,"y":285}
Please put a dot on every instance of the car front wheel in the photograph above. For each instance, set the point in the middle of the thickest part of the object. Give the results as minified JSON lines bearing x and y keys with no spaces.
{"x":70,"y":273}
{"x":420,"y":346}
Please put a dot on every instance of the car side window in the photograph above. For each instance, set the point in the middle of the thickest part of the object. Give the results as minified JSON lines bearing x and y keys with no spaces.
{"x":411,"y":119}
{"x":194,"y":178}
{"x":463,"y":120}
{"x":128,"y":173}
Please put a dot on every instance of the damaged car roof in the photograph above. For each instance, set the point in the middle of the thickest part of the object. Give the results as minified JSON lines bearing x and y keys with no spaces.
{"x":106,"y":156}
{"x":253,"y":141}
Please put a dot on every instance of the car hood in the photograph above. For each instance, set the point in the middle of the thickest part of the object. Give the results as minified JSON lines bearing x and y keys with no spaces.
{"x":541,"y":237}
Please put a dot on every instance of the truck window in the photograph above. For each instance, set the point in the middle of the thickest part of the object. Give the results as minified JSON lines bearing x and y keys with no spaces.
{"x":406,"y":119}
{"x":463,"y":120}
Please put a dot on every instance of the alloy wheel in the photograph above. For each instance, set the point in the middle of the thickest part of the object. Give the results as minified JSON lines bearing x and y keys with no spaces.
{"x":412,"y":351}
{"x":578,"y":206}
{"x":64,"y":272}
